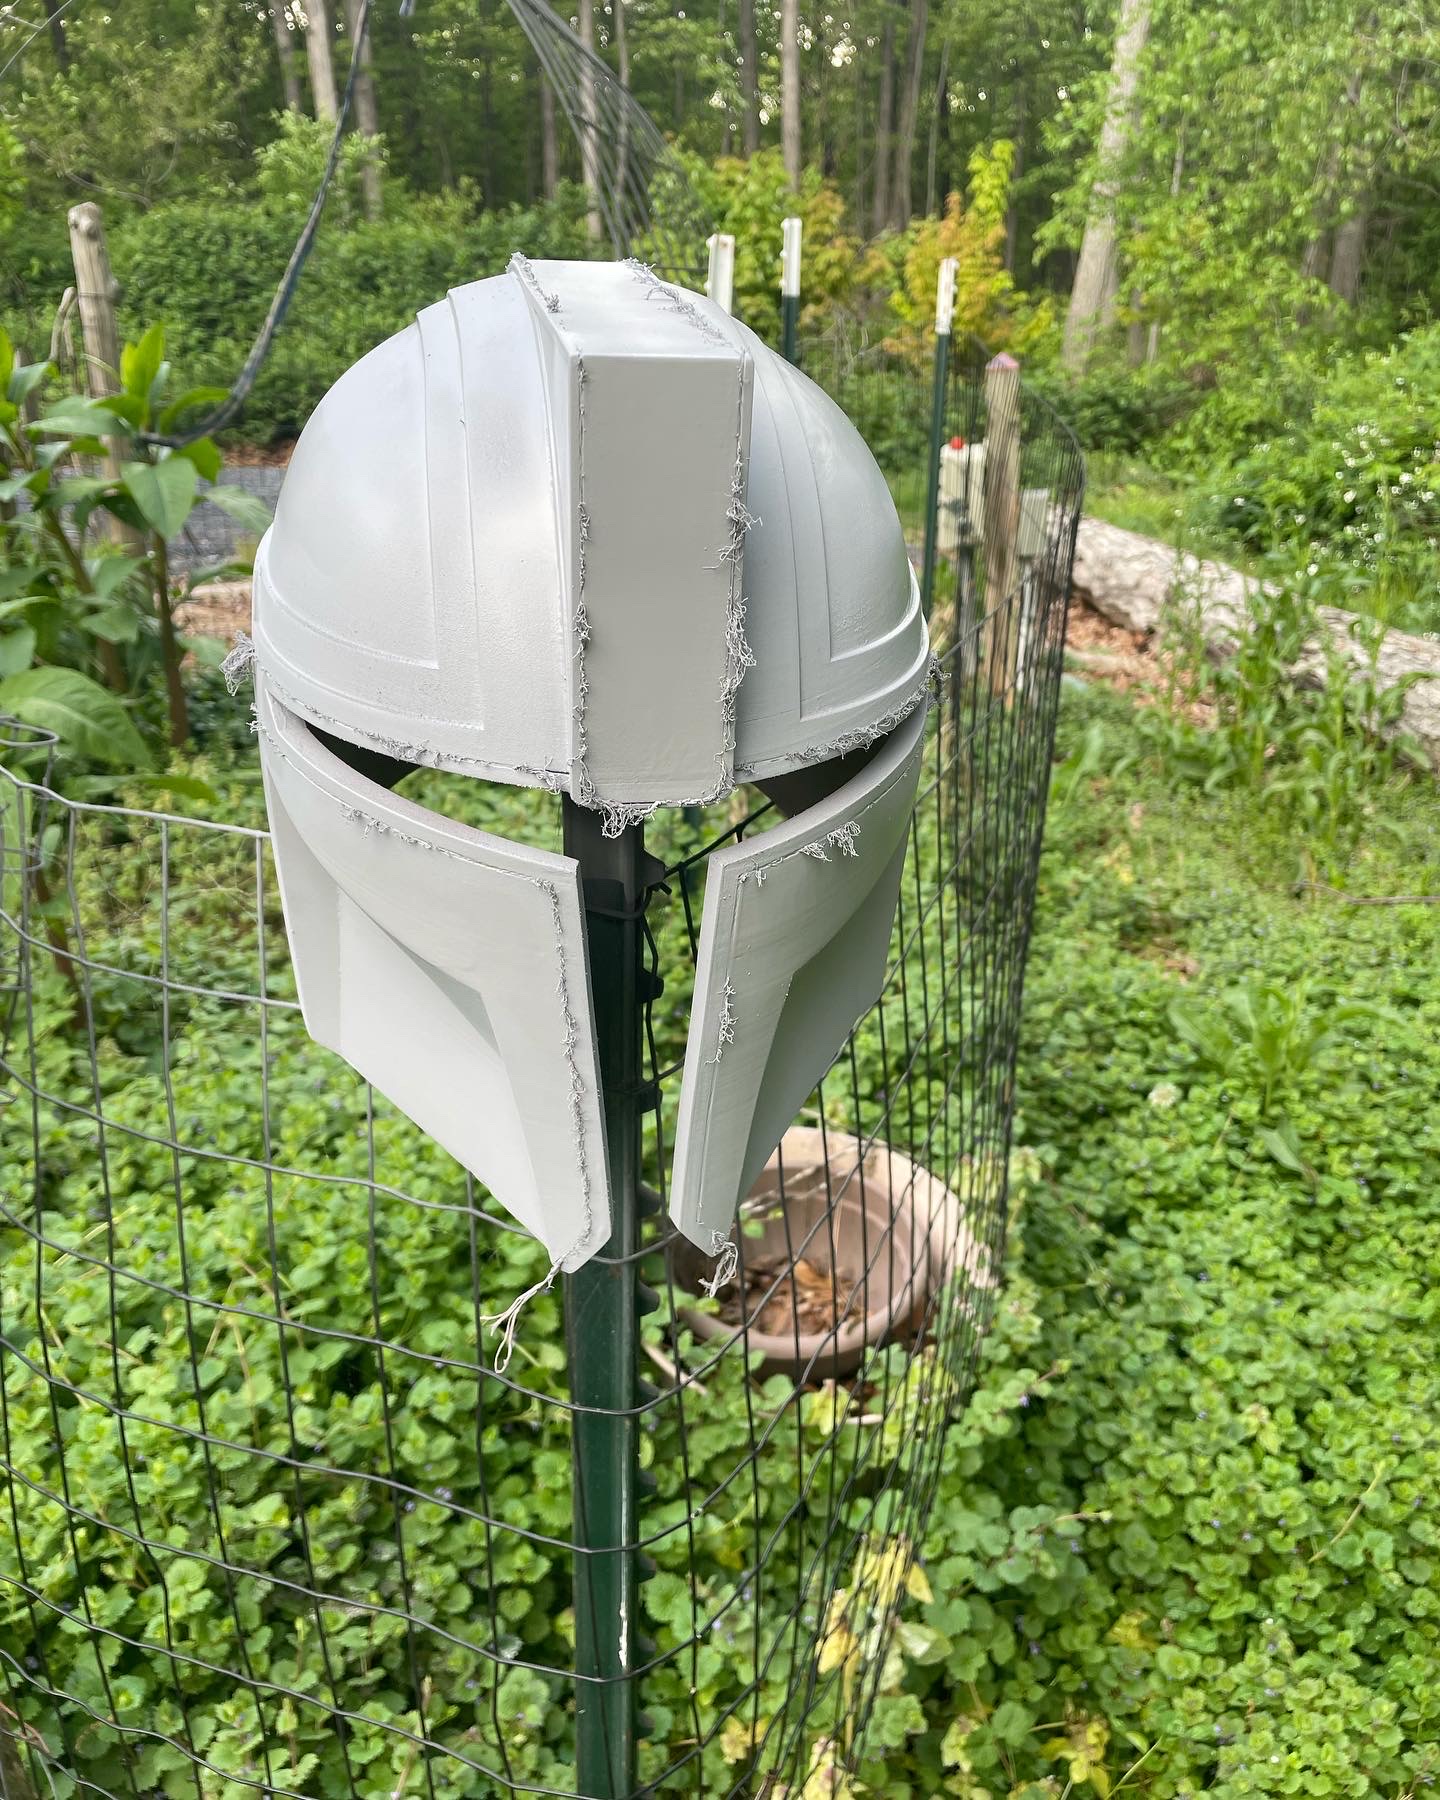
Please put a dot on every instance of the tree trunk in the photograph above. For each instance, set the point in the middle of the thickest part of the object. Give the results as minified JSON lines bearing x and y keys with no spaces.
{"x":367,"y":113}
{"x":790,"y":89}
{"x":1177,"y":175}
{"x":622,"y":53}
{"x":1017,"y":169}
{"x":932,"y":152}
{"x":549,"y":142}
{"x":1092,"y":298}
{"x":322,"y":69}
{"x":96,"y":291}
{"x":884,"y":128}
{"x":909,"y":113}
{"x":56,"y":26}
{"x":589,"y":123}
{"x":1347,"y":257}
{"x":285,"y":51}
{"x":749,"y":79}
{"x":1347,"y":254}
{"x":1314,"y":256}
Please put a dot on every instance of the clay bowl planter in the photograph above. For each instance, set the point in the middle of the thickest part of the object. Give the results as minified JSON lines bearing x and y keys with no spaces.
{"x":846,"y":1257}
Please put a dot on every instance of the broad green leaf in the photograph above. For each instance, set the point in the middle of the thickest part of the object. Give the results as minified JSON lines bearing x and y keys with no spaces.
{"x":116,"y":623}
{"x":247,"y":509}
{"x":205,"y":454}
{"x":86,"y":717}
{"x":179,"y":787}
{"x":7,"y":355}
{"x":24,"y":380}
{"x":209,"y":651}
{"x":81,"y":492}
{"x":17,"y":650}
{"x":72,"y":416}
{"x":140,"y":363}
{"x":192,"y":397}
{"x":108,"y":572}
{"x":18,"y":482}
{"x":163,"y":491}
{"x":128,"y":407}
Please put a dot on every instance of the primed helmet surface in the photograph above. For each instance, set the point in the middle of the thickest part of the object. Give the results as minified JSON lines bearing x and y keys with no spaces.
{"x":574,"y":528}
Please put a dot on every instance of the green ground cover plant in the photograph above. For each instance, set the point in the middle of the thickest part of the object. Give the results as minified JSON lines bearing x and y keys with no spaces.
{"x":1184,"y":1540}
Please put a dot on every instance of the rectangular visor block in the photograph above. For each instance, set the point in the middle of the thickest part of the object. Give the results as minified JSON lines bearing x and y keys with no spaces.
{"x":649,"y":454}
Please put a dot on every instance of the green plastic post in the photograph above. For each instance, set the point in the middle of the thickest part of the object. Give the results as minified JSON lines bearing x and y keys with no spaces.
{"x":789,"y":322}
{"x":932,"y":488}
{"x":603,"y":1304}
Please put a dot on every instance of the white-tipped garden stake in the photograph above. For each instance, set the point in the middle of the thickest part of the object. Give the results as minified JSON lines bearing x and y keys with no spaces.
{"x":790,"y":286}
{"x":720,"y":280}
{"x":944,"y":314}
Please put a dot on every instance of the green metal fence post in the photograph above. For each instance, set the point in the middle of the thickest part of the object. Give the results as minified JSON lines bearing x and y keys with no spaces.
{"x":603,"y":1305}
{"x":944,"y":314}
{"x":790,"y":289}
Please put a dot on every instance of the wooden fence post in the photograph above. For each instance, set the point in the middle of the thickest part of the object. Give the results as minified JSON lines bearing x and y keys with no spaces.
{"x":1002,"y":518}
{"x":96,"y":291}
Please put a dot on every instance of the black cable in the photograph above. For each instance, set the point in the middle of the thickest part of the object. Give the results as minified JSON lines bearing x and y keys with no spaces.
{"x":230,"y":406}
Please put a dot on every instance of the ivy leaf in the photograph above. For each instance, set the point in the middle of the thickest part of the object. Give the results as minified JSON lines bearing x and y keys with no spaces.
{"x":1011,"y":1722}
{"x":86,"y":717}
{"x":163,"y":491}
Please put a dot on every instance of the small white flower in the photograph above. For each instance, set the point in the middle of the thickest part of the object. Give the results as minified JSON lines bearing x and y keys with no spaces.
{"x":1314,"y":569}
{"x":1349,"y":495}
{"x":1166,"y":1094}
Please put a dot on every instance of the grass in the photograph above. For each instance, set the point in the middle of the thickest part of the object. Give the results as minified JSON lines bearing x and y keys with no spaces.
{"x":1139,"y":497}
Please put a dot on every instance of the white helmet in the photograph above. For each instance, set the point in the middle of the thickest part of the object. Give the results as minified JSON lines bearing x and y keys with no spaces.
{"x":578,"y":529}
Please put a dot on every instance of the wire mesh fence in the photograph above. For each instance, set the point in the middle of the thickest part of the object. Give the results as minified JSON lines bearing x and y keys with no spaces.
{"x":273,"y":1522}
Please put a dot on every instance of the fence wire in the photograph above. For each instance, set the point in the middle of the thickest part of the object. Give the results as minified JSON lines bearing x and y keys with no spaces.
{"x":272,"y":1522}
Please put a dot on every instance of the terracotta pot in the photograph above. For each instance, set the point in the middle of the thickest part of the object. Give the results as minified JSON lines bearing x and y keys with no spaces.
{"x":867,"y":1229}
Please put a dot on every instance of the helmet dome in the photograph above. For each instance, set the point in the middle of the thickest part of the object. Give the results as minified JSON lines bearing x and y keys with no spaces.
{"x":576,"y":528}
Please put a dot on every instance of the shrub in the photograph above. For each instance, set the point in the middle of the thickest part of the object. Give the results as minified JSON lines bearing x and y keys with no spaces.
{"x":1359,"y":471}
{"x":1115,"y":408}
{"x":209,"y":270}
{"x":750,"y":198}
{"x":988,"y":306}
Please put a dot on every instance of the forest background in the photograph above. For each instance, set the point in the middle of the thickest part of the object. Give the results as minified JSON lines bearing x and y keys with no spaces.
{"x":1213,"y":232}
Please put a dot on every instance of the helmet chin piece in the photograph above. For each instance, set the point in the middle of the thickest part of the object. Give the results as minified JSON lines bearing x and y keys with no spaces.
{"x":579,"y":530}
{"x":793,"y":948}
